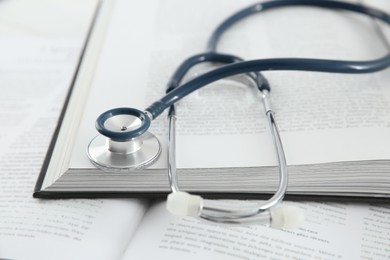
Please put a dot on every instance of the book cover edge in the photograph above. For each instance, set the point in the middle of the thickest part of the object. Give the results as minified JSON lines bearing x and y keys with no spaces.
{"x":42,"y":174}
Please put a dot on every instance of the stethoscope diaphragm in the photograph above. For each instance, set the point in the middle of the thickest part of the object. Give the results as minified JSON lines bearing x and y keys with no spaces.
{"x":123,"y":143}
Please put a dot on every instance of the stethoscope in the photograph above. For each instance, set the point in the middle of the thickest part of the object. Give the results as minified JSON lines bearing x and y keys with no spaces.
{"x":125,"y":144}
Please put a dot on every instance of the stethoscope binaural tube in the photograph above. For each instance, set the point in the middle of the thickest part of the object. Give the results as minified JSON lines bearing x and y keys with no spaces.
{"x":184,"y":204}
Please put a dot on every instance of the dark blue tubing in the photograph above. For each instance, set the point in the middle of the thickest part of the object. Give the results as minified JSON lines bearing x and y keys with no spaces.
{"x":255,"y":66}
{"x":318,"y":65}
{"x":186,"y":65}
{"x":261,"y":7}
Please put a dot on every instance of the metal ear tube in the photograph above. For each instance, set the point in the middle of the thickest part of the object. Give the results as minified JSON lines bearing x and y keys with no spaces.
{"x":184,"y":204}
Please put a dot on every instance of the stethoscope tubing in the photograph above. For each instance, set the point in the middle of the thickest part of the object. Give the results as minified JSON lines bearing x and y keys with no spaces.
{"x":288,"y":64}
{"x":176,"y":93}
{"x":261,"y":7}
{"x":213,"y":57}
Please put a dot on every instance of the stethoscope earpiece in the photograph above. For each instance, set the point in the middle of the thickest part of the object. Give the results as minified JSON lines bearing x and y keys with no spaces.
{"x":286,"y":217}
{"x":181,"y":203}
{"x":124,"y":143}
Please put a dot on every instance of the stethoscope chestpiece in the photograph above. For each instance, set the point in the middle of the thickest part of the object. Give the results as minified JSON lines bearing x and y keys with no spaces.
{"x":124,"y":143}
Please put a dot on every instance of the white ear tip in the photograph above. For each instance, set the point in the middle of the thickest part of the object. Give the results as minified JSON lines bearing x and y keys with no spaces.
{"x":288,"y":217}
{"x":184,"y":204}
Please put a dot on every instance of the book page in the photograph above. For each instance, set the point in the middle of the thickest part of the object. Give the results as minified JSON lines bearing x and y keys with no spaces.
{"x":36,"y":69}
{"x":322,"y":116}
{"x":330,"y":231}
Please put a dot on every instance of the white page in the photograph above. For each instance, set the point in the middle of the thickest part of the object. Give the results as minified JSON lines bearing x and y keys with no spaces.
{"x":36,"y":70}
{"x":330,"y":231}
{"x":327,"y":114}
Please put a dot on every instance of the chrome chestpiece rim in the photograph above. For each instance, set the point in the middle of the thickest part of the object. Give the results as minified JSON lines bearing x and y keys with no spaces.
{"x":124,"y":143}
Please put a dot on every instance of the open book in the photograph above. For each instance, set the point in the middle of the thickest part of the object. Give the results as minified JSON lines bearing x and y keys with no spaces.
{"x":334,"y":127}
{"x":121,"y":229}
